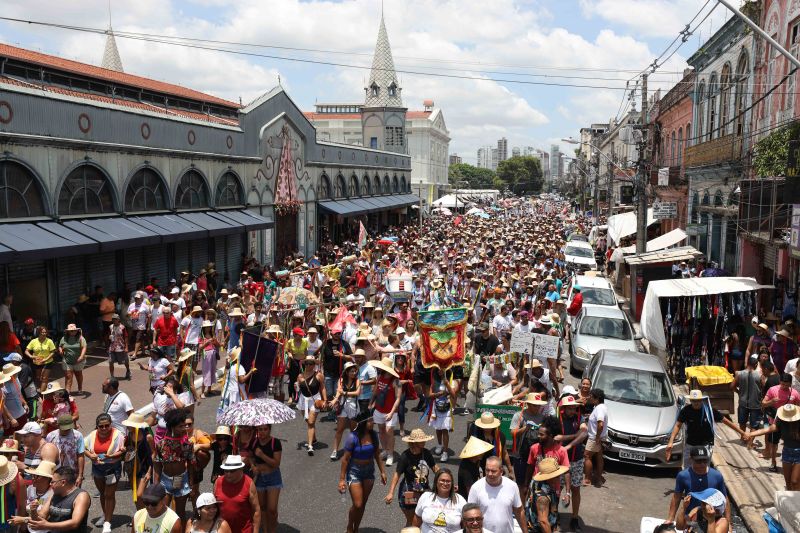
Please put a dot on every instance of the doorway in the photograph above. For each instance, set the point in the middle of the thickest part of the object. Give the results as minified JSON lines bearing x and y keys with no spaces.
{"x":285,"y":237}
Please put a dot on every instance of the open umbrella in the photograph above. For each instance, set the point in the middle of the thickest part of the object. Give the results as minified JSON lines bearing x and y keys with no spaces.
{"x":386,"y":242}
{"x":443,"y":211}
{"x":297,"y":297}
{"x":256,"y":412}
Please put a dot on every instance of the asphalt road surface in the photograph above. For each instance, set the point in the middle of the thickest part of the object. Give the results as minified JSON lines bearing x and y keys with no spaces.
{"x":310,"y":502}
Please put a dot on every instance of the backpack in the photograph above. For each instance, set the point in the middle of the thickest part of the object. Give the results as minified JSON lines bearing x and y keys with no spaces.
{"x":524,"y":440}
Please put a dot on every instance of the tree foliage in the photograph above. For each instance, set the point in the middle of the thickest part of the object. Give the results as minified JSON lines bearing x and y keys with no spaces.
{"x":521,"y":174}
{"x":476,"y":178}
{"x":770,"y":153}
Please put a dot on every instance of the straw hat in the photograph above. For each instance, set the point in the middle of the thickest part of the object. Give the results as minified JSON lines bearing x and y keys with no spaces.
{"x":135,"y":420}
{"x":222,"y":430}
{"x":487,"y":421}
{"x":196,"y":309}
{"x":274,"y":328}
{"x":385,"y":364}
{"x":474,"y":448}
{"x":763,"y":326}
{"x":9,"y":446}
{"x":44,"y":469}
{"x":534,"y":399}
{"x":549,"y":469}
{"x":52,"y":387}
{"x":185,"y":354}
{"x":360,"y":351}
{"x":785,"y":334}
{"x":8,"y":471}
{"x":535,"y":363}
{"x":696,"y":394}
{"x":233,"y":355}
{"x":235,"y":312}
{"x":72,"y":327}
{"x":417,"y":435}
{"x":207,"y":324}
{"x":789,"y":413}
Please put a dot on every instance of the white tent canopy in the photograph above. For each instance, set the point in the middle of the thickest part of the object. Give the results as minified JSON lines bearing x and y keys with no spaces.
{"x":624,"y":224}
{"x":652,"y":322}
{"x":450,"y":200}
{"x":659,"y":243}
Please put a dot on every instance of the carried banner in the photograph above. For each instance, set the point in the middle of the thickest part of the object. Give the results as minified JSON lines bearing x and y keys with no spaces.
{"x":522,"y":342}
{"x":442,"y":336}
{"x":545,"y":346}
{"x":259,"y":352}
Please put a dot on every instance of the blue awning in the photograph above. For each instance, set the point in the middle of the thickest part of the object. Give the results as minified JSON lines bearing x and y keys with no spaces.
{"x":172,"y":228}
{"x":344,"y":208}
{"x":114,"y":233}
{"x":250,"y":221}
{"x":214,"y":225}
{"x":30,"y":242}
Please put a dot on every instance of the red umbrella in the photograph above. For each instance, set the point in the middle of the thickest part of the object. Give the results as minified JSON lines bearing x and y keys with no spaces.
{"x":386,"y":242}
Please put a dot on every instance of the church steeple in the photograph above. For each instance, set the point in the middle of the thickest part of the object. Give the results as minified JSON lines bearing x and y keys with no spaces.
{"x":111,"y":59}
{"x":383,"y":89}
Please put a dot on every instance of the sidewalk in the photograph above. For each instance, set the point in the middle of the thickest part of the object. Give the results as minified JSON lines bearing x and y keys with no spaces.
{"x":751,"y":486}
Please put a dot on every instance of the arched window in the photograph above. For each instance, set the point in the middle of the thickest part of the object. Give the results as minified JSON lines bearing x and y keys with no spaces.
{"x":395,"y":185}
{"x":672,"y":150}
{"x":701,"y":113}
{"x":695,"y":200}
{"x":146,"y":192}
{"x":742,"y":68}
{"x":20,"y":192}
{"x":354,"y":188}
{"x":324,"y":188}
{"x":229,"y":191}
{"x":713,"y":88}
{"x":706,"y":198}
{"x":374,"y":89}
{"x":192,"y":191}
{"x":387,"y":185}
{"x":341,"y":187}
{"x":724,"y":99}
{"x":403,"y":187}
{"x":86,"y":191}
{"x":366,"y":186}
{"x":376,"y":184}
{"x":688,"y":134}
{"x":392,"y":89}
{"x":679,"y":162}
{"x":718,"y":198}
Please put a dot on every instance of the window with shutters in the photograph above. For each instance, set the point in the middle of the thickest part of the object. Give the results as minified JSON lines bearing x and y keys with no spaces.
{"x":701,"y":112}
{"x":393,"y":136}
{"x":20,"y":192}
{"x":712,"y":106}
{"x":387,"y":187}
{"x":341,"y":187}
{"x":229,"y":191}
{"x":395,"y":185}
{"x":791,"y":83}
{"x":376,"y":184}
{"x":366,"y":186}
{"x":192,"y":192}
{"x":724,"y":99}
{"x":86,"y":191}
{"x":324,"y":188}
{"x":742,"y":67}
{"x":146,"y":192}
{"x":353,"y":191}
{"x":679,"y":162}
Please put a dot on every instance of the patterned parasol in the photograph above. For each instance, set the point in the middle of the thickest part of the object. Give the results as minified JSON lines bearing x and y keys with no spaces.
{"x":297,"y":297}
{"x":256,"y":413}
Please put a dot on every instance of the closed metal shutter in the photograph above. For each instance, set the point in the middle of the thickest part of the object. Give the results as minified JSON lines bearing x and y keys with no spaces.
{"x":71,"y":279}
{"x":155,"y":264}
{"x":220,"y":257}
{"x":103,"y":271}
{"x":198,"y":254}
{"x":28,"y":283}
{"x":233,"y":256}
{"x":181,"y":258}
{"x":134,"y":266}
{"x":770,"y":253}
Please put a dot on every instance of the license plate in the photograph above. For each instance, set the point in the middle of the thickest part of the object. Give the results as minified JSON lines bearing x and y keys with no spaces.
{"x":633,"y":456}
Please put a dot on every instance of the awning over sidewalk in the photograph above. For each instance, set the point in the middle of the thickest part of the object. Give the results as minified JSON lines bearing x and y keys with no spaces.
{"x":49,"y":240}
{"x":372,"y":204}
{"x":624,"y":224}
{"x":346,"y":208}
{"x":684,"y":253}
{"x":652,"y":321}
{"x":659,"y":243}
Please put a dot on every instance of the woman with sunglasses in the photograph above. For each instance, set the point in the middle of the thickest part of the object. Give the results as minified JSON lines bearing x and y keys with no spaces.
{"x":221,"y":448}
{"x":105,"y":448}
{"x":439,"y":510}
{"x":174,"y":461}
{"x":266,"y":464}
{"x":310,"y":385}
{"x":207,"y":518}
{"x":201,"y":445}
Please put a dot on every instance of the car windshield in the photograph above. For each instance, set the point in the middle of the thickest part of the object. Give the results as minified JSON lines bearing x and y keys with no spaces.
{"x":602,"y":326}
{"x":638,"y":387}
{"x":578,"y":251}
{"x":578,"y":237}
{"x":597,"y":296}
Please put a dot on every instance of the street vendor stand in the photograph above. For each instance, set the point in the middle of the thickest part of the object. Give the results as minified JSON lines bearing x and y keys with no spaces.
{"x":686,"y":320}
{"x":715,"y":382}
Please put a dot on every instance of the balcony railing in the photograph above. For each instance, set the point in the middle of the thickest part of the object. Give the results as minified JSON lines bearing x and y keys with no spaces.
{"x":727,"y":148}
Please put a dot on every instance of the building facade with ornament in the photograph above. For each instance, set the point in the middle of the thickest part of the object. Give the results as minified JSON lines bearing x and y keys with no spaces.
{"x":115,"y":180}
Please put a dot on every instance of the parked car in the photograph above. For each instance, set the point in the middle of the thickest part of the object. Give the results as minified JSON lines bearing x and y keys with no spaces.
{"x":596,"y":328}
{"x":577,"y":237}
{"x":596,"y":290}
{"x":579,"y":256}
{"x":642,"y":407}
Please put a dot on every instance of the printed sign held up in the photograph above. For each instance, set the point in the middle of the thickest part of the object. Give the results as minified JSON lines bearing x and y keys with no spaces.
{"x":545,"y":346}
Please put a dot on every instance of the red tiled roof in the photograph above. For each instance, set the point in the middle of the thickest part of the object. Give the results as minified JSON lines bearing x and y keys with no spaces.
{"x":418,"y":114}
{"x":122,"y":102}
{"x":92,"y":71}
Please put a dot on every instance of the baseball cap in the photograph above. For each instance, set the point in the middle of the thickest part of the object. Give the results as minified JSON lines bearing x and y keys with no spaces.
{"x":13,"y":357}
{"x":786,"y":378}
{"x":65,"y":422}
{"x":29,"y":321}
{"x":701,"y":453}
{"x":206,"y":499}
{"x":154,"y":493}
{"x":712,"y":497}
{"x":30,"y":427}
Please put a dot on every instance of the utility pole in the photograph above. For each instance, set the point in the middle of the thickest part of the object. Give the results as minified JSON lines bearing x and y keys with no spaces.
{"x":610,"y":193}
{"x":641,"y":182}
{"x":596,"y":207}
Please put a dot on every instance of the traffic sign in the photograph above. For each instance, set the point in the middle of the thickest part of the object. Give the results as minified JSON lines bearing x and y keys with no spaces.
{"x":662,"y":210}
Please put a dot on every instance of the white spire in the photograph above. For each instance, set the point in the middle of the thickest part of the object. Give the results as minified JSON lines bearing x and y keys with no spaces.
{"x":111,"y":59}
{"x":383,"y":89}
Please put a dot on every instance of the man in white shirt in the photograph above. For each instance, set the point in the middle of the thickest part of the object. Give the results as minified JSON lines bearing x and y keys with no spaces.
{"x":117,"y":404}
{"x":405,"y":342}
{"x":501,"y":323}
{"x":498,"y":498}
{"x":524,"y":323}
{"x":175,"y":294}
{"x":190,"y":330}
{"x":139,"y":315}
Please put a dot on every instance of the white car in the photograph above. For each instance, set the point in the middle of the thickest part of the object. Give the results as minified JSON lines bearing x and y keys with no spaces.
{"x":597,"y":328}
{"x":579,"y":256}
{"x":596,"y":290}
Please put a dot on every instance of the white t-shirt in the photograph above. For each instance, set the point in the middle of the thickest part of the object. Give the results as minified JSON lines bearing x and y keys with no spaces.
{"x":313,"y":346}
{"x":600,"y":412}
{"x":194,"y":326}
{"x":439,"y":515}
{"x":158,"y":369}
{"x":524,"y":327}
{"x":155,"y":313}
{"x":119,"y":408}
{"x":138,"y":315}
{"x":497,"y":503}
{"x":501,"y":324}
{"x":162,"y":403}
{"x":791,"y":366}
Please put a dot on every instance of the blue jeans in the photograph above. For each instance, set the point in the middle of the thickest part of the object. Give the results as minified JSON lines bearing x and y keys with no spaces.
{"x":271,"y":481}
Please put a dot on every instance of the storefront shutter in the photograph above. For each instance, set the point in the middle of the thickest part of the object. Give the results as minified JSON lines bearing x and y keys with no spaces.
{"x":155,"y":264}
{"x":28,"y":283}
{"x":134,"y":266}
{"x":103,"y":271}
{"x":181,"y":258}
{"x":198,"y":254}
{"x":770,"y":254}
{"x":233,"y":256}
{"x":220,"y":257}
{"x":71,"y":279}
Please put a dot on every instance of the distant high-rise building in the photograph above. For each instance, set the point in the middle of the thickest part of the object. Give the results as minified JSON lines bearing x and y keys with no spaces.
{"x":556,"y":164}
{"x":528,"y":151}
{"x":485,"y":157}
{"x":455,"y":159}
{"x":495,"y":158}
{"x":502,"y":149}
{"x":516,"y":152}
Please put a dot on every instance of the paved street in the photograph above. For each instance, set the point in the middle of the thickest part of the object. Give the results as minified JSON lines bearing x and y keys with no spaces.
{"x":310,"y":501}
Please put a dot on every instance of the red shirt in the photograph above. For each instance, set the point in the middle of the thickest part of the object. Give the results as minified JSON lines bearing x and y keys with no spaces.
{"x":11,"y":343}
{"x":557,"y":452}
{"x":575,"y":307}
{"x":202,"y":283}
{"x":100,"y":445}
{"x":361,"y":280}
{"x":234,"y":503}
{"x":167,"y":331}
{"x":385,"y":387}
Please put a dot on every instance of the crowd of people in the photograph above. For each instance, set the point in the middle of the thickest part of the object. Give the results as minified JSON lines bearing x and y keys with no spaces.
{"x":363,"y":373}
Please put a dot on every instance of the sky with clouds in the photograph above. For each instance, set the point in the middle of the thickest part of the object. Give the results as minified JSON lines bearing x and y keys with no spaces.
{"x":481,"y":62}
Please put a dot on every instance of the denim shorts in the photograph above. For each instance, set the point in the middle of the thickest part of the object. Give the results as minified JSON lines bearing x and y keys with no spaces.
{"x":356,"y":473}
{"x":753,"y":416}
{"x":104,"y":470}
{"x":271,"y":481}
{"x":183,"y":490}
{"x":790,"y":456}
